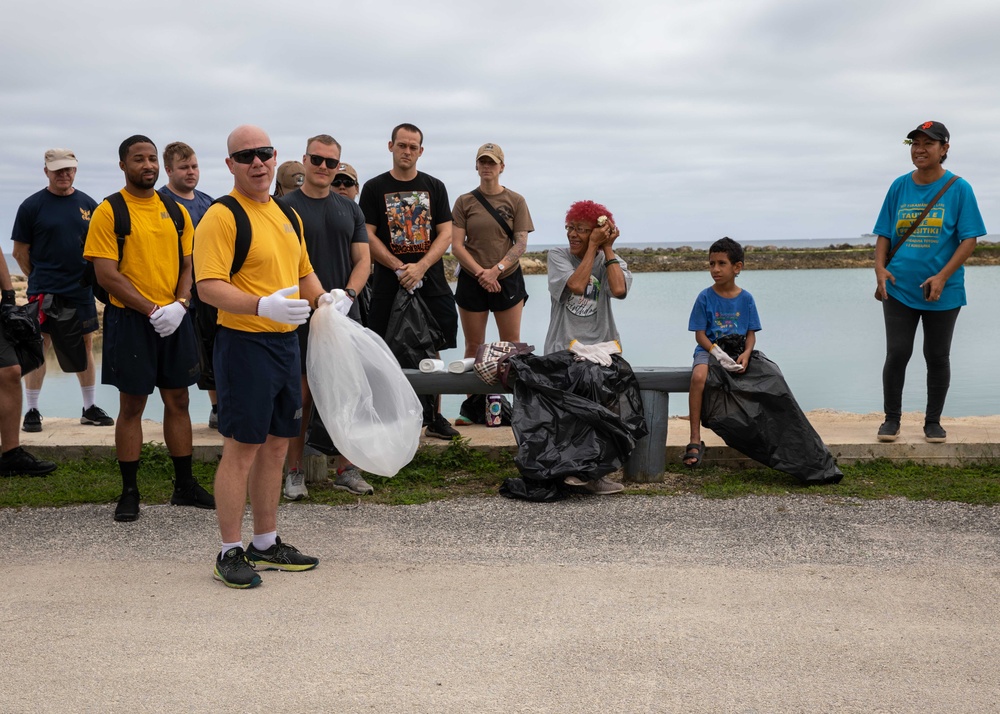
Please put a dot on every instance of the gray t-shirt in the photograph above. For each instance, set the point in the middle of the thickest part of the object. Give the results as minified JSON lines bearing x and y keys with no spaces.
{"x":586,"y":317}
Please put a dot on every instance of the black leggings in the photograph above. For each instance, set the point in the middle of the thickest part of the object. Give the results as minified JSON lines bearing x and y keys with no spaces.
{"x":900,"y":329}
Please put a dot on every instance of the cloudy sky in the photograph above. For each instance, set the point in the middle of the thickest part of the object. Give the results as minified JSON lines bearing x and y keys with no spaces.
{"x":690,"y":119}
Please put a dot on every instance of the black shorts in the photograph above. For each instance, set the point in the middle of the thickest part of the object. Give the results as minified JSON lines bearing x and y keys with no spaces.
{"x":86,"y":312}
{"x":442,"y":307}
{"x":258,"y":384}
{"x":473,"y":297}
{"x":8,"y":356}
{"x":136,"y":360}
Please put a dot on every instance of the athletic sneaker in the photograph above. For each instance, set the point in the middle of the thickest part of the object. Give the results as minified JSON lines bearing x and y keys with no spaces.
{"x":96,"y":417}
{"x":213,"y":418}
{"x":32,"y":421}
{"x":440,"y":428}
{"x":127,"y":509}
{"x":350,"y":480}
{"x":234,"y":570}
{"x":574,"y":481}
{"x":934,"y":434}
{"x":295,"y":485}
{"x":192,"y":494}
{"x":18,"y":462}
{"x":888,"y":431}
{"x":281,"y":556}
{"x":604,"y":486}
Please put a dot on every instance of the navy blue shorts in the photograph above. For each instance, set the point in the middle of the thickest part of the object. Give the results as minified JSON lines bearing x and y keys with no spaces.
{"x":473,"y":297}
{"x":259,"y":384}
{"x":136,"y":360}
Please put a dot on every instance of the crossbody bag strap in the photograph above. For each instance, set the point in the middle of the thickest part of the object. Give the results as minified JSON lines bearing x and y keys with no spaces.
{"x":493,"y":212}
{"x":920,"y":218}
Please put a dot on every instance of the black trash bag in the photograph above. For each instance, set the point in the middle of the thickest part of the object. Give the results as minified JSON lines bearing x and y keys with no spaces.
{"x":365,"y":300}
{"x":412,"y":333}
{"x":573,"y":418}
{"x":66,"y":333}
{"x":474,"y":409}
{"x":537,"y":491}
{"x":206,"y":318}
{"x":755,"y":413}
{"x":318,"y":437}
{"x":20,"y":327}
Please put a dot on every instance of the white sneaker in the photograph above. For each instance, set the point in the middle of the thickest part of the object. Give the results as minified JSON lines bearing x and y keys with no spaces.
{"x":295,"y":485}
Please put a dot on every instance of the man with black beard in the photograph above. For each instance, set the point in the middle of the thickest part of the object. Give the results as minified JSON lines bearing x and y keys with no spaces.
{"x":149,"y":339}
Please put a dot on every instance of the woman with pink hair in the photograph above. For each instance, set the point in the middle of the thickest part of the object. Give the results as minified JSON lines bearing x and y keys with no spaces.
{"x":583,"y":277}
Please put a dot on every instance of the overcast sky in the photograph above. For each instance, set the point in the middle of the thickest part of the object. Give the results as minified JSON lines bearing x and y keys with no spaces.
{"x":690,"y":119}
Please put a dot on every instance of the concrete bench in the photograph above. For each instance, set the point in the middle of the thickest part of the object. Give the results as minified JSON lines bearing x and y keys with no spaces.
{"x":648,"y":460}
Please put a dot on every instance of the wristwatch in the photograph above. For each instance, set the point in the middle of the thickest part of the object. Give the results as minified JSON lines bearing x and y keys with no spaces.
{"x":351,"y":293}
{"x":185,"y":302}
{"x":501,"y":267}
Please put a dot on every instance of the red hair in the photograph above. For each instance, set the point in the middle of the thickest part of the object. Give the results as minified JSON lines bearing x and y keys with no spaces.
{"x":587,"y":211}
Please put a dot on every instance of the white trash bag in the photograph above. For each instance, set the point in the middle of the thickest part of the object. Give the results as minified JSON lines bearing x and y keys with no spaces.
{"x":368,"y":407}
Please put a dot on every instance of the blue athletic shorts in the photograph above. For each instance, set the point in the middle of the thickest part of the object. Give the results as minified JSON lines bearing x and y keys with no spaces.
{"x":259,"y":384}
{"x":136,"y":360}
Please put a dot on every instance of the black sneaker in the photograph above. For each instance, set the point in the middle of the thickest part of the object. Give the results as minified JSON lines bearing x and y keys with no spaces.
{"x":32,"y":421}
{"x":934,"y":434}
{"x":127,"y":509}
{"x":281,"y":556}
{"x":234,"y":570}
{"x":213,"y":418}
{"x":441,"y":428}
{"x":889,"y":430}
{"x":96,"y":416}
{"x":18,"y":462}
{"x":192,"y":494}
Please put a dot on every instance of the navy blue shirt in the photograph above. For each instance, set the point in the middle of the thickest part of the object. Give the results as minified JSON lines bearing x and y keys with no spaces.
{"x":196,"y":206}
{"x":55,"y":227}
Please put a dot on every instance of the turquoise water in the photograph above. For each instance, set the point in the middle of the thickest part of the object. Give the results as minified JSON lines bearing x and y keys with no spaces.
{"x":822,"y":327}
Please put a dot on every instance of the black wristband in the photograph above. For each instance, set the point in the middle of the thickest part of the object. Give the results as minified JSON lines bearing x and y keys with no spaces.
{"x":612,"y":260}
{"x":8,"y":298}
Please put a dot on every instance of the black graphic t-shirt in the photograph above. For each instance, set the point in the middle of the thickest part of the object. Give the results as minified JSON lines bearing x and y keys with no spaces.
{"x":406,"y":215}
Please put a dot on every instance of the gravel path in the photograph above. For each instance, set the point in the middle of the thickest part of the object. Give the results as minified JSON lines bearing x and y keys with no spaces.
{"x":619,"y":604}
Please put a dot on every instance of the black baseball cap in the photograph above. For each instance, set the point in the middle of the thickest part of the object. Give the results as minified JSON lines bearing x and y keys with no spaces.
{"x":934,"y":129}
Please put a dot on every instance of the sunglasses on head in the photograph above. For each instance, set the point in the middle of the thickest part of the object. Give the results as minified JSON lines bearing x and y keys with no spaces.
{"x":344,"y":182}
{"x":316,"y":160}
{"x":246,"y":156}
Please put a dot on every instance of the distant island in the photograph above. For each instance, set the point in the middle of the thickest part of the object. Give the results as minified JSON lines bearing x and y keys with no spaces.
{"x":685,"y":258}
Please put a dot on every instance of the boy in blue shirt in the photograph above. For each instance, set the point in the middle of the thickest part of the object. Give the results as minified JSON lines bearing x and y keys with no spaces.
{"x":721,"y":309}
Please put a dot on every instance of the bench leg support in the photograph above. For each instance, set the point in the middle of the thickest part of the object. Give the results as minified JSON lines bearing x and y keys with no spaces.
{"x":647,"y":462}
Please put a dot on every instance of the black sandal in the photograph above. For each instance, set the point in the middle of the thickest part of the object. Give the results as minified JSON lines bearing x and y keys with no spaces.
{"x":693,"y":451}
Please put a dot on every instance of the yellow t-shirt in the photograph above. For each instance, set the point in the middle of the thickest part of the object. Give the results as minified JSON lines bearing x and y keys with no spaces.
{"x":277,"y":258}
{"x":149,"y":258}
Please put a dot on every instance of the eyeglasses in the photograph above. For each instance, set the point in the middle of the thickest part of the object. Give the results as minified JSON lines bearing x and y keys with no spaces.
{"x":583,"y":229}
{"x":316,"y":160}
{"x":345,"y":183}
{"x":246,"y":156}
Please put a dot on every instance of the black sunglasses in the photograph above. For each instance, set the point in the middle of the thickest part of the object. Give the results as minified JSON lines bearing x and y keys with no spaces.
{"x":346,"y":183}
{"x":246,"y":156}
{"x":316,"y":160}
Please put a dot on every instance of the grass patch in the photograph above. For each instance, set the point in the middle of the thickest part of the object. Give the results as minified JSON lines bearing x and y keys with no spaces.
{"x":459,"y":470}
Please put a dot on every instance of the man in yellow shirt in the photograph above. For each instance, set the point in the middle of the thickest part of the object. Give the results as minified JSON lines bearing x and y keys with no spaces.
{"x":149,"y":339}
{"x":257,"y":363}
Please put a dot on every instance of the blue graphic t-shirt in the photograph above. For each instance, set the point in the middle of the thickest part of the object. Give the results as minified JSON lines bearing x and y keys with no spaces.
{"x":196,"y":206}
{"x":954,"y":218}
{"x":719,"y":316}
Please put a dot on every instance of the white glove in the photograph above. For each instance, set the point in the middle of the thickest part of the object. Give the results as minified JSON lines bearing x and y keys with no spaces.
{"x":340,"y":300}
{"x":727,"y":362}
{"x":278,"y":307}
{"x":598,"y":354}
{"x":165,"y":320}
{"x":415,"y":287}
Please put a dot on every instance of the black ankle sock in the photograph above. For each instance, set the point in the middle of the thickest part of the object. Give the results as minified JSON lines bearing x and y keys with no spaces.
{"x":130,"y":473}
{"x":182,"y":471}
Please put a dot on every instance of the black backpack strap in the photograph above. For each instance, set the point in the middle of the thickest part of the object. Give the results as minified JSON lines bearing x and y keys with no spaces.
{"x":493,"y":212}
{"x":123,"y":220}
{"x":292,"y":216}
{"x":177,"y":216}
{"x":244,"y":232}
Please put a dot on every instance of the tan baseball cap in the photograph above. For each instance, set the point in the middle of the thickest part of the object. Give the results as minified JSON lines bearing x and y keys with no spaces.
{"x":347,"y":170}
{"x":56,"y":159}
{"x":492,"y":150}
{"x":291,"y":175}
